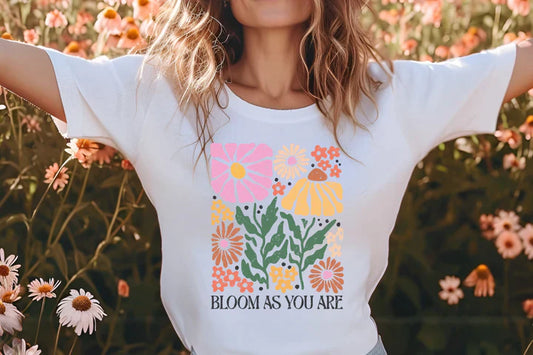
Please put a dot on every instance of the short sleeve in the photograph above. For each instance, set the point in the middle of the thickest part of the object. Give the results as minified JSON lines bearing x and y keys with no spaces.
{"x":436,"y":102}
{"x":100,"y":99}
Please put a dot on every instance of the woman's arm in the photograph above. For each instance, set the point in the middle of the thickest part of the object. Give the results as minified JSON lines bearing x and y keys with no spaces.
{"x":27,"y":71}
{"x":522,"y":77}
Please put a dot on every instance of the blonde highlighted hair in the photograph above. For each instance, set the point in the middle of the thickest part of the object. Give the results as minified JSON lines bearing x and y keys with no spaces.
{"x":194,"y":40}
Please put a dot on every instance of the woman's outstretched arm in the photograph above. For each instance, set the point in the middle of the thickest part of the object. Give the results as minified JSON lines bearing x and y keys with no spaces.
{"x":522,"y":77}
{"x":26,"y":70}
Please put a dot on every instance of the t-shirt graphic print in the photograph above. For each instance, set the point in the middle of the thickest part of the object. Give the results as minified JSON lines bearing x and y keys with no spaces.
{"x":276,"y":226}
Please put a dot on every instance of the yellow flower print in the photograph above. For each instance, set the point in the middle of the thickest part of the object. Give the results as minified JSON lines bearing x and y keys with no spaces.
{"x":324,"y":196}
{"x":290,"y":162}
{"x":218,"y":206}
{"x":331,"y":236}
{"x":275,"y":272}
{"x":335,"y":250}
{"x":214,"y":218}
{"x":291,"y":273}
{"x":284,"y":285}
{"x":227,"y":214}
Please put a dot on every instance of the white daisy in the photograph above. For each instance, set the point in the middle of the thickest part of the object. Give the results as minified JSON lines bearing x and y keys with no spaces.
{"x":10,"y":318}
{"x":40,"y":288}
{"x":19,"y":348}
{"x":8,"y":271}
{"x":80,"y":310}
{"x":9,"y":294}
{"x":509,"y":244}
{"x":450,"y":289}
{"x":506,"y":221}
{"x":526,"y":234}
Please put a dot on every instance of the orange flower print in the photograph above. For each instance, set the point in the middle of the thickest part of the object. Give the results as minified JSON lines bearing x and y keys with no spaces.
{"x":245,"y":285}
{"x":278,"y":189}
{"x":232,"y":277}
{"x":327,"y":276}
{"x":218,"y":272}
{"x":227,"y":245}
{"x":324,"y":165}
{"x":334,"y":152}
{"x":319,"y":153}
{"x":335,"y":171}
{"x":219,"y":284}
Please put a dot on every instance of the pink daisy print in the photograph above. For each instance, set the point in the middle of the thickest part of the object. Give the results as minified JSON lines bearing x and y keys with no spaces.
{"x":241,"y":172}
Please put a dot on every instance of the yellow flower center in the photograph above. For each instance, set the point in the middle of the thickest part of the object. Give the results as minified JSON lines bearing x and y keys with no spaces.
{"x":482,"y":272}
{"x":81,"y":303}
{"x":132,"y":33}
{"x":143,"y":2}
{"x":2,"y":308}
{"x":529,"y":120}
{"x":7,"y":297}
{"x":45,"y":288}
{"x":73,"y":47}
{"x":110,"y":13}
{"x":238,"y":171}
{"x":4,"y":270}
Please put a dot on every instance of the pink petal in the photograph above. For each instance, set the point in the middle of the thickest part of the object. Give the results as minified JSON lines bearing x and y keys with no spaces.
{"x":243,"y":149}
{"x":218,"y":152}
{"x":230,"y":149}
{"x":262,"y":151}
{"x":259,"y":192}
{"x":219,"y":182}
{"x":243,"y":193}
{"x":264,"y":167}
{"x":228,"y":192}
{"x":260,"y":179}
{"x":218,"y":168}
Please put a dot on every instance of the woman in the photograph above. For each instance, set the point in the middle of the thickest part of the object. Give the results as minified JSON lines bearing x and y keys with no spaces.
{"x":277,"y":242}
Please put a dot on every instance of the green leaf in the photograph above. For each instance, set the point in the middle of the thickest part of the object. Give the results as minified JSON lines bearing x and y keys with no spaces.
{"x":294,"y":261}
{"x":318,"y":237}
{"x":277,"y":255}
{"x":318,"y":254}
{"x":59,"y":255}
{"x":269,"y":217}
{"x":252,"y":256}
{"x":250,"y":239}
{"x":245,"y":269}
{"x":245,"y":221}
{"x":276,"y":240}
{"x":293,"y":227}
{"x":295,"y":248}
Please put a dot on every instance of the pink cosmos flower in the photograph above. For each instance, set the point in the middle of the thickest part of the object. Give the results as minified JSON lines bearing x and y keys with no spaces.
{"x":509,"y":136}
{"x":8,"y":271}
{"x":40,"y":289}
{"x":62,"y":177}
{"x":241,"y":172}
{"x":31,"y":36}
{"x":510,"y":161}
{"x":123,"y":288}
{"x":144,"y":9}
{"x":527,"y":126}
{"x":108,"y":20}
{"x":9,"y":294}
{"x":55,"y":18}
{"x":519,"y":7}
{"x":82,"y":149}
{"x":506,"y":221}
{"x":103,"y":155}
{"x":509,"y":244}
{"x":450,"y":289}
{"x":10,"y":318}
{"x":526,"y":234}
{"x":80,"y":310}
{"x":18,"y":347}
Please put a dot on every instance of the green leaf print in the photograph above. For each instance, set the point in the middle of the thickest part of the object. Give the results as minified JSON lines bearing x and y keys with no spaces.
{"x":298,"y":253}
{"x":245,"y":269}
{"x":250,"y":239}
{"x":269,"y":218}
{"x":245,"y":221}
{"x":276,"y":239}
{"x":319,"y":254}
{"x":252,"y":257}
{"x":277,"y":255}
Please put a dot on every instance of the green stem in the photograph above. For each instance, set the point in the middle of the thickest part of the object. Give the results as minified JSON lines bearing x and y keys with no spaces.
{"x":39,"y":323}
{"x":73,"y":344}
{"x":112,"y":327}
{"x":57,"y":339}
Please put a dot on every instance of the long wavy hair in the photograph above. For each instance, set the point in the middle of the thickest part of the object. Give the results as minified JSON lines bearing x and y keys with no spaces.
{"x":195,"y":40}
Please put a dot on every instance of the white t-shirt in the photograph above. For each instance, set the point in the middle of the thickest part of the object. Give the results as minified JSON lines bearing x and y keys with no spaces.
{"x":280,"y":249}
